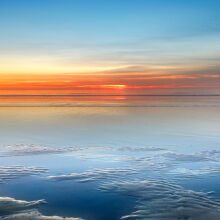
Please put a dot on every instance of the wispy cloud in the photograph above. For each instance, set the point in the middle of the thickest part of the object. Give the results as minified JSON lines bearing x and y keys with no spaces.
{"x":13,"y":209}
{"x":161,"y":199}
{"x":96,"y":174}
{"x":30,"y":149}
{"x":10,"y":205}
{"x":35,"y":215}
{"x":12,"y":172}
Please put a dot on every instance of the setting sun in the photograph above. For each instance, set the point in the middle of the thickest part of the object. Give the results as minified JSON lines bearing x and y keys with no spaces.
{"x":114,"y":86}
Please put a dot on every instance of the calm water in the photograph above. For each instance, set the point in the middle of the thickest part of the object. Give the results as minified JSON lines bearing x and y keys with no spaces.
{"x":110,"y":157}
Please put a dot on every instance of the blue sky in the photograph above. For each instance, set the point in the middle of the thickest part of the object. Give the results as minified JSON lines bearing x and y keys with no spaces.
{"x":95,"y":24}
{"x":78,"y":36}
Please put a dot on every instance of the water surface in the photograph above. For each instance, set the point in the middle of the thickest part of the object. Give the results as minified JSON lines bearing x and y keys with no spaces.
{"x":111,"y":157}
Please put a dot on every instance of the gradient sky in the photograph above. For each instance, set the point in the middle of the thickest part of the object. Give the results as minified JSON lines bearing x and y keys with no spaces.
{"x":129,"y":46}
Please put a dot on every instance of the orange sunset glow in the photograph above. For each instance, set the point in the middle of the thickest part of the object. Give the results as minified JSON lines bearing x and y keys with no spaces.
{"x":104,"y":83}
{"x":48,"y":55}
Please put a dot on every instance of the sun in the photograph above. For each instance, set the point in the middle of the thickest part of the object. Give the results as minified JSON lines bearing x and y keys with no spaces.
{"x":114,"y":86}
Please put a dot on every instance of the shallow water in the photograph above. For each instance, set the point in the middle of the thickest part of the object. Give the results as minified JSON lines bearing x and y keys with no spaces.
{"x":105,"y":157}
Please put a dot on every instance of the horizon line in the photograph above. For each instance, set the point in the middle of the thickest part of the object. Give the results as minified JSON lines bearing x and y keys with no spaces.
{"x":18,"y":95}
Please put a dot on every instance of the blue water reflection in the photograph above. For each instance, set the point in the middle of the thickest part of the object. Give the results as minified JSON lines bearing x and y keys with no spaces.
{"x":113,"y":162}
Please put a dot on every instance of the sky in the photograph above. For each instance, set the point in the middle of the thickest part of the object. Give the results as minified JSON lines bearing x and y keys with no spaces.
{"x":116,"y":46}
